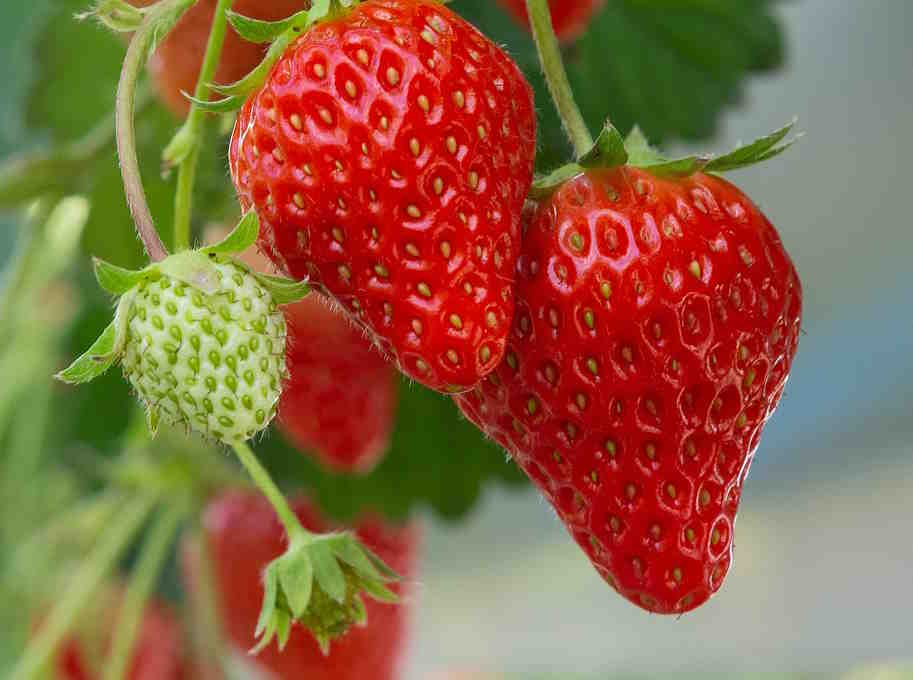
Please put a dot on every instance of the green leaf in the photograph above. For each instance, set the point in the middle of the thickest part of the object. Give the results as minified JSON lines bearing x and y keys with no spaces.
{"x":283,"y":291}
{"x":671,"y":66}
{"x":418,"y":471}
{"x":113,"y":279}
{"x":242,"y":237}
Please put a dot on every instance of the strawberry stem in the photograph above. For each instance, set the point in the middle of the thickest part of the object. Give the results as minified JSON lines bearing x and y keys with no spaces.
{"x":268,"y":488}
{"x":559,"y":86}
{"x":81,"y":589}
{"x":183,"y":200}
{"x":137,"y":52}
{"x":148,"y":568}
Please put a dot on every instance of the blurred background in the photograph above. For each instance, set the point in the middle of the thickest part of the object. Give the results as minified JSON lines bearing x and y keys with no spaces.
{"x":822,"y":582}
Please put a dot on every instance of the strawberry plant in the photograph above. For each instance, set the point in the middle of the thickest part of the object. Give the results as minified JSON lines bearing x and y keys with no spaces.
{"x":621,"y":323}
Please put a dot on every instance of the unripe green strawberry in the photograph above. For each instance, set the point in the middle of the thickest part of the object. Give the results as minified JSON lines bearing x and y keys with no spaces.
{"x":214,"y":363}
{"x":200,"y":337}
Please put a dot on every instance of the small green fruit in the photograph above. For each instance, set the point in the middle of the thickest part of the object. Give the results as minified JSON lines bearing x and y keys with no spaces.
{"x":212,"y":362}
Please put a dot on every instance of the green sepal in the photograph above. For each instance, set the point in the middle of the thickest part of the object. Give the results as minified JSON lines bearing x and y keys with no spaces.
{"x":760,"y":150}
{"x":116,"y":280}
{"x":226,"y":105}
{"x":242,"y":237}
{"x":254,"y":80}
{"x":318,"y":583}
{"x":544,"y":186}
{"x":105,"y":351}
{"x":118,"y":15}
{"x":328,"y":573}
{"x":642,"y":155}
{"x":192,"y":267}
{"x":280,"y":34}
{"x":283,"y":291}
{"x":608,"y":151}
{"x":152,"y":420}
{"x":258,"y":31}
{"x":639,"y":150}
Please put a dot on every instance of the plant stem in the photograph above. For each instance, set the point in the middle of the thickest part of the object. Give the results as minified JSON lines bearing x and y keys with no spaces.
{"x":269,"y":489}
{"x":126,"y":138}
{"x":559,"y":86}
{"x":83,"y":586}
{"x":145,"y":576}
{"x":183,"y":200}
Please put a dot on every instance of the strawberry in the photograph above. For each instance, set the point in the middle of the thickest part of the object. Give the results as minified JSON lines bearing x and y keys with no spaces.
{"x":244,"y":535}
{"x":569,"y":17}
{"x":657,"y":320}
{"x":175,"y":65}
{"x":340,"y":399}
{"x":388,"y":155}
{"x":212,"y":362}
{"x":158,"y":653}
{"x":200,"y":338}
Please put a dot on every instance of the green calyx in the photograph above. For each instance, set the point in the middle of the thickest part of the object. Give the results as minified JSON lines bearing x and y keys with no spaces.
{"x":280,"y":34}
{"x":611,"y":150}
{"x":199,"y":336}
{"x":318,"y":583}
{"x":118,"y":15}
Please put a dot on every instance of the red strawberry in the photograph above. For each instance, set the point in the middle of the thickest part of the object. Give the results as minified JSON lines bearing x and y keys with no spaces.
{"x":244,"y":535}
{"x":656,"y":323}
{"x":340,"y":401}
{"x":158,"y":652}
{"x":176,"y":63}
{"x":388,"y":156}
{"x":569,"y":17}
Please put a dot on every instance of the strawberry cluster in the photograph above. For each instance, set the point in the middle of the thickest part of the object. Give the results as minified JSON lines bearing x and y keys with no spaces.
{"x":625,"y":338}
{"x":623,"y":327}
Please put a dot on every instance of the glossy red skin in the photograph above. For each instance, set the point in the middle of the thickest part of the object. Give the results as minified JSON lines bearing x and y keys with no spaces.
{"x":569,"y":17}
{"x":340,"y":400}
{"x":378,"y":231}
{"x":176,"y":64}
{"x":244,"y":536}
{"x":158,"y":654}
{"x":682,"y":357}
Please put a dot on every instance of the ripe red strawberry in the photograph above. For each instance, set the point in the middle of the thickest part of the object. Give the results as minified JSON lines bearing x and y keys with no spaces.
{"x":244,"y":534}
{"x":158,"y":652}
{"x":656,"y":323}
{"x":388,"y":156}
{"x":340,"y":400}
{"x":176,"y":64}
{"x":569,"y":17}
